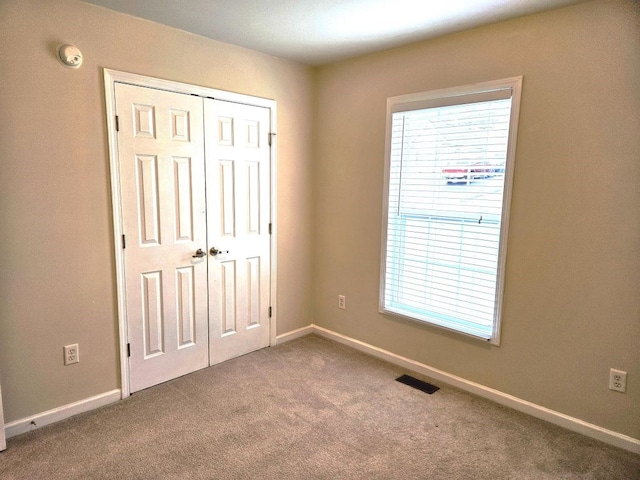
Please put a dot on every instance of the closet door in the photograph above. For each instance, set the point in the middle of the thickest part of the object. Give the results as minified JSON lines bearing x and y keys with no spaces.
{"x":162,"y":181}
{"x":238,"y":164}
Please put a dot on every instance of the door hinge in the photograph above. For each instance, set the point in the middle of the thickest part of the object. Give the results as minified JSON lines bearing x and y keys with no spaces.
{"x":270,"y":312}
{"x":117,"y":123}
{"x":128,"y":349}
{"x":124,"y":242}
{"x":271,"y":135}
{"x":270,"y":228}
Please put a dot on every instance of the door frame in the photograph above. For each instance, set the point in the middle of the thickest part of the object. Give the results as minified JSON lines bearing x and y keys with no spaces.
{"x":111,"y":77}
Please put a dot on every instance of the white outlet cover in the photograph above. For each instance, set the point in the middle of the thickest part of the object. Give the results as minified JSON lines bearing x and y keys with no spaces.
{"x":618,"y":380}
{"x":71,"y":354}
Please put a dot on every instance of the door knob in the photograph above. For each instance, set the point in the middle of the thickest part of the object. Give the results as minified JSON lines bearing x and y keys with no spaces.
{"x":214,"y":251}
{"x":199,"y":254}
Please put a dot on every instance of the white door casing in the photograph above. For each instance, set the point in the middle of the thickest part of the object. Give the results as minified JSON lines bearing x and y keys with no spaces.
{"x":238,"y":165}
{"x":163,"y":214}
{"x":253,"y":300}
{"x":3,"y":441}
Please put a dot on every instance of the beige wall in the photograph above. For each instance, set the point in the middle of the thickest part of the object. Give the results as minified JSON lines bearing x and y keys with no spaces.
{"x":572,"y":297}
{"x":57,"y":284}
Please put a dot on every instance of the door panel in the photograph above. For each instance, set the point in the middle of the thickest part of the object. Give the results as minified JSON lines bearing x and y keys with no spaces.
{"x":238,"y":163}
{"x":162,"y":177}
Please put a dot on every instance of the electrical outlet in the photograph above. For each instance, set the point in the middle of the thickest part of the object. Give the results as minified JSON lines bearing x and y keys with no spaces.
{"x":342,"y":302}
{"x":617,"y":380}
{"x":71,"y":354}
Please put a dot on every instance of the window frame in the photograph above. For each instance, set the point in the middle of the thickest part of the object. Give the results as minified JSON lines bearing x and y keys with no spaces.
{"x":439,"y":98}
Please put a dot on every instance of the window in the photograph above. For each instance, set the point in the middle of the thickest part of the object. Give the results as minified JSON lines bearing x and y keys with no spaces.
{"x":450,"y":156}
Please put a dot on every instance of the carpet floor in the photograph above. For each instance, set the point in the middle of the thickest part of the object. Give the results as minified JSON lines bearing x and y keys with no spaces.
{"x":307,"y":409}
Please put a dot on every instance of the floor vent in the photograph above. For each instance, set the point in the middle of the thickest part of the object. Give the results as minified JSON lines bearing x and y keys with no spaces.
{"x":419,"y":384}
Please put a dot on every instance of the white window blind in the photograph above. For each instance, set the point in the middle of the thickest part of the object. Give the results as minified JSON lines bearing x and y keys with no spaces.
{"x":449,"y":156}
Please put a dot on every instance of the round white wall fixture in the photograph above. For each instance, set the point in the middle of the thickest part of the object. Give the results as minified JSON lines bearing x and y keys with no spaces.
{"x":70,"y":56}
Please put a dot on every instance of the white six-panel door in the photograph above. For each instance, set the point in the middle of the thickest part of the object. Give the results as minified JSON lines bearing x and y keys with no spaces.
{"x":161,"y":150}
{"x":195,"y":194}
{"x":238,"y":215}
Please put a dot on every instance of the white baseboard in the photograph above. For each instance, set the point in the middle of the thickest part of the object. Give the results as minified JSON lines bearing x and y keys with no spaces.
{"x":292,"y":335}
{"x":570,"y":423}
{"x":55,"y":415}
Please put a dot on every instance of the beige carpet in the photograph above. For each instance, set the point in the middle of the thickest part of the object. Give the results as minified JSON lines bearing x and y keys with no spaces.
{"x":308,"y":409}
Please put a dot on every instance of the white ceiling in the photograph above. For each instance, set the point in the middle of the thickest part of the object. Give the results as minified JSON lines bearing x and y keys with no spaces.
{"x":317,"y":32}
